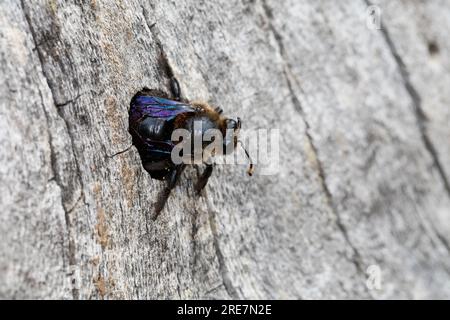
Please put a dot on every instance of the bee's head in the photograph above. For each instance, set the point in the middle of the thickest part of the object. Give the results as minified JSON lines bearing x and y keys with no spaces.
{"x":231,"y":139}
{"x":231,"y":134}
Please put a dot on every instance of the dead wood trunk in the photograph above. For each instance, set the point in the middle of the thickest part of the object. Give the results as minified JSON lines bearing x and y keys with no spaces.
{"x":365,"y":154}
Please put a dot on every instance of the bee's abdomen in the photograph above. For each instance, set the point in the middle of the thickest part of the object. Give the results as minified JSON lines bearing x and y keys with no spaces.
{"x":153,"y":128}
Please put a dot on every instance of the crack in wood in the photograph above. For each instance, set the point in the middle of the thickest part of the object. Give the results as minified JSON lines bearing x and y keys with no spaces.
{"x":119,"y":152}
{"x":421,"y":117}
{"x":227,"y":282}
{"x":417,"y":105}
{"x":356,"y":258}
{"x":70,"y":101}
{"x":194,"y":232}
{"x":164,"y":60}
{"x":69,"y":225}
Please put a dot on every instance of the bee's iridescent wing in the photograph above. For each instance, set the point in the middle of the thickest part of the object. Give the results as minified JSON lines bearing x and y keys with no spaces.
{"x":149,"y":106}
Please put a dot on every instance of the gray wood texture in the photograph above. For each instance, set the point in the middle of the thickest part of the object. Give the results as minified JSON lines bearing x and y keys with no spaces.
{"x":365,"y":155}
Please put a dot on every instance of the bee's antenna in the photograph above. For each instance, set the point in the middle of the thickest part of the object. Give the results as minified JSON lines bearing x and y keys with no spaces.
{"x":250,"y":168}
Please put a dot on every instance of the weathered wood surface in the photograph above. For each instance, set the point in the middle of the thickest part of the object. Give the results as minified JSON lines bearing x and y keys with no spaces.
{"x":365,"y":154}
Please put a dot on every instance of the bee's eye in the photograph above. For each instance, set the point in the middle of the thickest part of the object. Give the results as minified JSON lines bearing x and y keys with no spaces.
{"x":231,"y":124}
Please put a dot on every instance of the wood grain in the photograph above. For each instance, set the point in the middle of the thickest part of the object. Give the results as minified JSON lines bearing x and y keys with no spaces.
{"x":364,"y":154}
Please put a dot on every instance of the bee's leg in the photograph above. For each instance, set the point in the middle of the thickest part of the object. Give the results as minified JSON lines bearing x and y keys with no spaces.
{"x":172,"y":180}
{"x":175,"y":88}
{"x":203,"y":179}
{"x":174,"y":177}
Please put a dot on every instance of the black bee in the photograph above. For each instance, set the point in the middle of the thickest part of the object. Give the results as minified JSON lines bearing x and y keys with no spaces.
{"x":153,"y":116}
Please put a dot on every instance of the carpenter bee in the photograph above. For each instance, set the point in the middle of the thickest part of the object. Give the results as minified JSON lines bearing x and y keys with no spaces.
{"x":153,"y":116}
